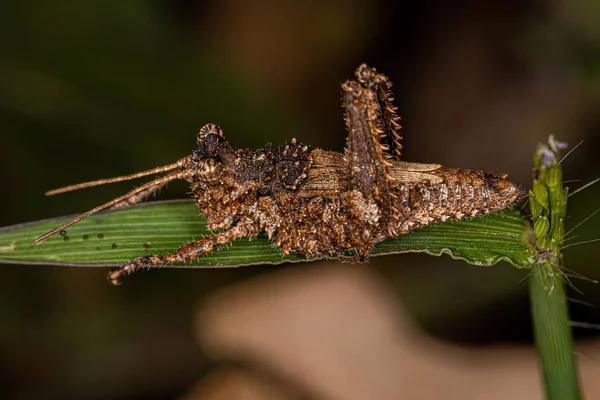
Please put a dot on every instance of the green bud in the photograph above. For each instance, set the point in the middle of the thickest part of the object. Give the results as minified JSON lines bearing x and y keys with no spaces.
{"x":536,"y":207}
{"x":540,"y":190}
{"x":554,"y":176}
{"x":541,"y":226}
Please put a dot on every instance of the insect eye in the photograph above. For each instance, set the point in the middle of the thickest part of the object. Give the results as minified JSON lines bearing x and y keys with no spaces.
{"x":208,"y":131}
{"x":211,"y":142}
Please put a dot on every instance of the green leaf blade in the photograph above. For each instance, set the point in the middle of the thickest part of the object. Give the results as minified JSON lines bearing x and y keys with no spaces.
{"x":115,"y":237}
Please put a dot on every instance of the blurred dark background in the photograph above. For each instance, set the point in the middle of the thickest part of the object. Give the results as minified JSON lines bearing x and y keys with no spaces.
{"x":96,"y":89}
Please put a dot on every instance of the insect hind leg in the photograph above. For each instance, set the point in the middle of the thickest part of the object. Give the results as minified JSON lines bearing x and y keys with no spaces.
{"x":380,"y":85}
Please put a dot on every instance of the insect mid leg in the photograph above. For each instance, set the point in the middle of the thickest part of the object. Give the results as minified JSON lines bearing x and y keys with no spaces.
{"x":361,"y":256}
{"x":187,"y":252}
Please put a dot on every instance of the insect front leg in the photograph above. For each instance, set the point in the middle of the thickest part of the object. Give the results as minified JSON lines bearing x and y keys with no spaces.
{"x":187,"y":252}
{"x":137,"y":198}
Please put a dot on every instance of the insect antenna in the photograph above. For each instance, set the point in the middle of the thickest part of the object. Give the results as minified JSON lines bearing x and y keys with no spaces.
{"x":182,"y":174}
{"x":99,"y":182}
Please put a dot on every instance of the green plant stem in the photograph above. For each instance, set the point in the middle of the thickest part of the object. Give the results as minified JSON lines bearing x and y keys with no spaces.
{"x":549,"y":310}
{"x":552,"y":332}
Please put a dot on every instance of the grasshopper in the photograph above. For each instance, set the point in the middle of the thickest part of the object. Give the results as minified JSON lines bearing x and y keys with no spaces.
{"x":313,"y":201}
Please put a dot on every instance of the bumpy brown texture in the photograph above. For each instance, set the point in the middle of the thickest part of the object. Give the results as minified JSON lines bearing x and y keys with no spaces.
{"x":318,"y":202}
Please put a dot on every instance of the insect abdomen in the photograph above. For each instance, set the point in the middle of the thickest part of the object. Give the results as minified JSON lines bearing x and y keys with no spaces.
{"x":458,"y":194}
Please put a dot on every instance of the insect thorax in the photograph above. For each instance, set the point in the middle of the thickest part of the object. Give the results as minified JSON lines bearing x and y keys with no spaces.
{"x":249,"y":175}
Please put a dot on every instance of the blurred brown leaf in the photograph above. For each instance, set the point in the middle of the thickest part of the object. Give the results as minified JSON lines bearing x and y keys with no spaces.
{"x":336,"y":333}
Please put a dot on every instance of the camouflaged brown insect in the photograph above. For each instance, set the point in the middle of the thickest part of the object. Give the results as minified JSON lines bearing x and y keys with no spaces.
{"x":313,"y":201}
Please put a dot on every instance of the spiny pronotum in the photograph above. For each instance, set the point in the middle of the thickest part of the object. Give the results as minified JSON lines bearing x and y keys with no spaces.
{"x":313,"y":201}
